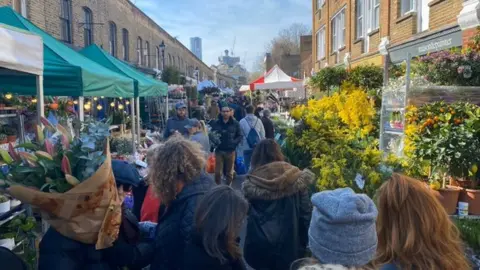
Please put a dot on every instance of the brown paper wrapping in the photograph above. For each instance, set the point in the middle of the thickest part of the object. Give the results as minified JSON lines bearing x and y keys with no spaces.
{"x":89,"y":213}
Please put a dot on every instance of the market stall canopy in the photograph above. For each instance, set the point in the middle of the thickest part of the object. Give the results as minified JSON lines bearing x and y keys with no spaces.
{"x":21,"y":50}
{"x":228,"y":91}
{"x":244,"y":88}
{"x":66,"y":72}
{"x":205,"y":84}
{"x":144,"y":85}
{"x":276,"y":79}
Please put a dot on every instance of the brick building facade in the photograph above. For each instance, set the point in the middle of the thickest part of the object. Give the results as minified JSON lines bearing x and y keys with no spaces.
{"x":354,"y":32}
{"x":118,"y":26}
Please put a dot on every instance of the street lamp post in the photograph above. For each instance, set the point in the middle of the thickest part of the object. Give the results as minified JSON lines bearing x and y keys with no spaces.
{"x":162,"y":47}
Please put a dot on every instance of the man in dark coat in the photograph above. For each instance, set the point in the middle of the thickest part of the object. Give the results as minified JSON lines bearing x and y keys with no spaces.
{"x":268,"y":124}
{"x":230,"y":138}
{"x":177,"y":123}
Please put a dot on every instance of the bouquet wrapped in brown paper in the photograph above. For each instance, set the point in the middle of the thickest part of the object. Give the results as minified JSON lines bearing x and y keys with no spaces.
{"x":73,"y":185}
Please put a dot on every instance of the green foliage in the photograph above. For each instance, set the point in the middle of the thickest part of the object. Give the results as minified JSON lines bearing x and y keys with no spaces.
{"x":367,"y":77}
{"x":172,"y":75}
{"x":122,"y":146}
{"x":328,"y":78}
{"x":447,"y":136}
{"x":470,"y":232}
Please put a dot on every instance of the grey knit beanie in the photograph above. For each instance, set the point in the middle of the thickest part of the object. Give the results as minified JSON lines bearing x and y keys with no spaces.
{"x":342,"y":229}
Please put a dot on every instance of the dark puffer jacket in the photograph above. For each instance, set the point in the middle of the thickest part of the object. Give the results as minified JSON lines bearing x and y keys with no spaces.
{"x":279,"y":215}
{"x":230,"y":134}
{"x":176,"y":225}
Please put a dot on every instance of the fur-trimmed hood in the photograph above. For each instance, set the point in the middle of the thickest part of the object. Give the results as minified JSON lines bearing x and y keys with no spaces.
{"x":276,"y":180}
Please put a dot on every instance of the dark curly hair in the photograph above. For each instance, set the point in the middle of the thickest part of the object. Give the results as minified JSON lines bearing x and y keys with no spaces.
{"x":176,"y":160}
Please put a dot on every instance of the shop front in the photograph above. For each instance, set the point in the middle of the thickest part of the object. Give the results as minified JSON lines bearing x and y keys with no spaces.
{"x":433,"y":42}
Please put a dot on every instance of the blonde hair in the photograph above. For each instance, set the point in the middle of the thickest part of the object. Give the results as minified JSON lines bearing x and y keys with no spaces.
{"x":203,"y":127}
{"x":177,"y":160}
{"x":414,"y":230}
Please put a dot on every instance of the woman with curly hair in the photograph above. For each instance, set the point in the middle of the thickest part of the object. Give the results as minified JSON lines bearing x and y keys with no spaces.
{"x":414,"y":231}
{"x":177,"y":177}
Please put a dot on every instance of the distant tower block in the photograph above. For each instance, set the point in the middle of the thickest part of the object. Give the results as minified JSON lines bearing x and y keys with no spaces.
{"x":268,"y":62}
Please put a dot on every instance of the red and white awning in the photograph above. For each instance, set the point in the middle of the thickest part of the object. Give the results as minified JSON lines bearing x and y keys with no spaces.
{"x":275,"y":78}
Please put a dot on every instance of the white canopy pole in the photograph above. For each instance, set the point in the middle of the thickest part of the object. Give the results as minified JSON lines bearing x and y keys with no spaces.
{"x":167,"y":109}
{"x":137,"y":104}
{"x":40,"y":99}
{"x":132,"y":111}
{"x":81,"y":114}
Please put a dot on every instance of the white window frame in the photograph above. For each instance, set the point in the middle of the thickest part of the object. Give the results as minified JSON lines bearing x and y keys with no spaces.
{"x":22,"y":8}
{"x":407,"y":6}
{"x":338,"y":30}
{"x":367,"y":19}
{"x":375,"y":14}
{"x":320,"y":4}
{"x":321,"y":44}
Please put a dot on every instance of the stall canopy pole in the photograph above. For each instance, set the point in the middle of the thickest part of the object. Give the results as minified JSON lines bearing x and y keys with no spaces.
{"x":40,"y":99}
{"x":132,"y":111}
{"x":81,"y":114}
{"x":167,"y":110}
{"x":137,"y":104}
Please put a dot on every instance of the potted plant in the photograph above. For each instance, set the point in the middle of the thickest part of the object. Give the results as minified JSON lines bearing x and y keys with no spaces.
{"x":4,"y":204}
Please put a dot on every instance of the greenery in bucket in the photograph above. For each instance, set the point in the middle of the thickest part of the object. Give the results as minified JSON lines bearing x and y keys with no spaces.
{"x":57,"y":162}
{"x":3,"y":199}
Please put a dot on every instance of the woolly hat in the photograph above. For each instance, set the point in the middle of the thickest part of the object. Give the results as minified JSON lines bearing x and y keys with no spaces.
{"x":342,"y":229}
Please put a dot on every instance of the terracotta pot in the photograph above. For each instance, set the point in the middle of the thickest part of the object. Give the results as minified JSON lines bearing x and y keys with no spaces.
{"x":472,"y":197}
{"x":12,"y":138}
{"x":461,"y":182}
{"x":449,"y":198}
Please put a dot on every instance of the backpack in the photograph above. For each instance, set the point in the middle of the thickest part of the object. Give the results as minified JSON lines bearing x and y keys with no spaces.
{"x":253,"y":138}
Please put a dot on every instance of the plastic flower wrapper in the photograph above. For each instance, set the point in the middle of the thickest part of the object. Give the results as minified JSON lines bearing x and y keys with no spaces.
{"x":70,"y":180}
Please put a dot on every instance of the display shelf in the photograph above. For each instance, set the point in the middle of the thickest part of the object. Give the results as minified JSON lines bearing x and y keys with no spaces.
{"x":14,"y":212}
{"x":393,"y":111}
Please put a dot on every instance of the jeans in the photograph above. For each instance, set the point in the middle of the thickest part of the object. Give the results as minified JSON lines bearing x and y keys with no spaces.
{"x":247,"y":156}
{"x":224,"y":164}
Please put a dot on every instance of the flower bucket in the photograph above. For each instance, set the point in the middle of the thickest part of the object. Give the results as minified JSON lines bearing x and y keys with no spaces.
{"x":7,"y":243}
{"x":472,"y":197}
{"x":89,"y":213}
{"x":4,"y":207}
{"x":449,"y":198}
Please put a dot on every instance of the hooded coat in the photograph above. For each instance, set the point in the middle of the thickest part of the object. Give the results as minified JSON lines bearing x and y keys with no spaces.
{"x":279,"y":215}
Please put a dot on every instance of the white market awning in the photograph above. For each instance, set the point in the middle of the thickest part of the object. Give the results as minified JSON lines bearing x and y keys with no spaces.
{"x":21,"y":50}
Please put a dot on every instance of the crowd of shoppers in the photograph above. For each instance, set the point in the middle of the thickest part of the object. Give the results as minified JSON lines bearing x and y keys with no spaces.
{"x":198,"y":220}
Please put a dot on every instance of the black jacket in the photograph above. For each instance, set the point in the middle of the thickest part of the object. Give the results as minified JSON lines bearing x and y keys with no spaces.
{"x":176,"y":224}
{"x":58,"y":252}
{"x":278,"y":218}
{"x":269,"y":128}
{"x":197,"y":258}
{"x":230,"y":134}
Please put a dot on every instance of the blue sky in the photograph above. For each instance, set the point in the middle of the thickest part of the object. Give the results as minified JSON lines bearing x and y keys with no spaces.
{"x":253,"y":22}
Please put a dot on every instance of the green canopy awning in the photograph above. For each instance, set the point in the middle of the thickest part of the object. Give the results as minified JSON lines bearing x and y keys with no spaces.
{"x":66,"y":72}
{"x":144,"y":85}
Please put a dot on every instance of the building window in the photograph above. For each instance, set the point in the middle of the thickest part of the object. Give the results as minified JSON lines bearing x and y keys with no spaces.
{"x":320,"y":3}
{"x":173,"y":63}
{"x":66,"y":21}
{"x":367,"y":17}
{"x":20,"y":6}
{"x":147,"y":54}
{"x":376,"y":14}
{"x":321,"y":44}
{"x":157,"y":57}
{"x":139,"y":51}
{"x":87,"y":27}
{"x":406,"y":6}
{"x":178,"y":61}
{"x":360,"y":14}
{"x":338,"y":31}
{"x":113,"y":38}
{"x":169,"y":60}
{"x":125,"y":44}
